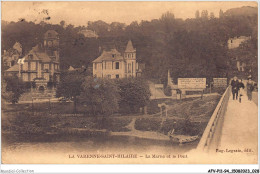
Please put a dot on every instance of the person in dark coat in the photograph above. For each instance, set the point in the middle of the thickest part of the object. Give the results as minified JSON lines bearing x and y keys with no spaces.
{"x":240,"y":86}
{"x":235,"y":87}
{"x":250,"y":88}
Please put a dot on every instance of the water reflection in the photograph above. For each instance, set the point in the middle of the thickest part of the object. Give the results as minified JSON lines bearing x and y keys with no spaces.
{"x":61,"y":146}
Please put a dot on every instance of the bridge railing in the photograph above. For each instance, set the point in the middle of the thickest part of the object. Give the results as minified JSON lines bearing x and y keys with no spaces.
{"x":208,"y":135}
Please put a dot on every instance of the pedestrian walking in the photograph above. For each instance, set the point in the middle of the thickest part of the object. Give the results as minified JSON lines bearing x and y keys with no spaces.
{"x":250,"y":88}
{"x":235,"y":87}
{"x":241,"y":87}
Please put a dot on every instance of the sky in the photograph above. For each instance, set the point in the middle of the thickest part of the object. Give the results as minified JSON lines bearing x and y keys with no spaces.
{"x":79,"y":13}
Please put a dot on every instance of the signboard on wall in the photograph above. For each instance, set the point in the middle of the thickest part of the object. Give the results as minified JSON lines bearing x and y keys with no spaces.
{"x":191,"y":83}
{"x":219,"y":82}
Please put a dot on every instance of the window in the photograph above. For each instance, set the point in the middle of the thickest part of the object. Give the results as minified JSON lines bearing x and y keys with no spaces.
{"x":109,"y":65}
{"x":117,"y":76}
{"x":33,"y":76}
{"x":113,"y":55}
{"x":46,"y":66}
{"x":129,"y":67}
{"x":33,"y":66}
{"x":46,"y":76}
{"x":117,"y":65}
{"x":25,"y":77}
{"x":25,"y":66}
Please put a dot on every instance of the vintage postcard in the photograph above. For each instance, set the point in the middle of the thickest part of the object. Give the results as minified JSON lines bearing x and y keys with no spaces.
{"x":129,"y":82}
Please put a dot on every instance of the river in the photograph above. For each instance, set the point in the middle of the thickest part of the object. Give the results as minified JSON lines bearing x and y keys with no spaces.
{"x":61,"y":149}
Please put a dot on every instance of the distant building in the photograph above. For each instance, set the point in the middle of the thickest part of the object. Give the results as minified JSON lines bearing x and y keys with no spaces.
{"x":240,"y":62}
{"x":89,"y":33}
{"x":11,"y":56}
{"x":236,"y":41}
{"x":42,"y":63}
{"x":112,"y":64}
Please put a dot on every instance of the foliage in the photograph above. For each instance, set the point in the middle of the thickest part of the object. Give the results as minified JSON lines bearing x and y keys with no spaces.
{"x":70,"y":87}
{"x":14,"y":88}
{"x":101,"y":95}
{"x":195,"y":47}
{"x":246,"y":52}
{"x":168,"y":91}
{"x":5,"y":97}
{"x":134,"y":93}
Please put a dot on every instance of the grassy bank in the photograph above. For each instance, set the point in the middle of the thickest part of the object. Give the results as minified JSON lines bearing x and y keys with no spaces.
{"x":187,"y":117}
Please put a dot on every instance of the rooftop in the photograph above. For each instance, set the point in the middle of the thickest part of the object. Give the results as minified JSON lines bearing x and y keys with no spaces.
{"x":37,"y":54}
{"x":14,"y":68}
{"x":51,"y":34}
{"x":112,"y":55}
{"x":129,"y":47}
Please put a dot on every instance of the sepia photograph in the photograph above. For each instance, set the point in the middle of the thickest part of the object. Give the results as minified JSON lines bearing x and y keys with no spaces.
{"x":129,"y":82}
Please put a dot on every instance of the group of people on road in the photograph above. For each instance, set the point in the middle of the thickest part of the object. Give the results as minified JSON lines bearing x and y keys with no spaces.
{"x":238,"y":88}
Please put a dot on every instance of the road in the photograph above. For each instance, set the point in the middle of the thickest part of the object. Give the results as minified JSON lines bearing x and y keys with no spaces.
{"x":240,"y":132}
{"x":255,"y":97}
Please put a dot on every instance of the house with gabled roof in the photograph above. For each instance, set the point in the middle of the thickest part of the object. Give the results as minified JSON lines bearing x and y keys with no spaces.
{"x":112,"y":64}
{"x":11,"y":55}
{"x":42,"y":63}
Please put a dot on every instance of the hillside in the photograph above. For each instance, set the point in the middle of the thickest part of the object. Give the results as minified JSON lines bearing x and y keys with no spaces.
{"x":242,"y":11}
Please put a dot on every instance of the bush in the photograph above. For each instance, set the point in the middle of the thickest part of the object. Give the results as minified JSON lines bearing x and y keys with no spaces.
{"x":15,"y":86}
{"x":148,"y":124}
{"x":101,"y":95}
{"x":134,"y":94}
{"x":69,"y":87}
{"x":168,"y":91}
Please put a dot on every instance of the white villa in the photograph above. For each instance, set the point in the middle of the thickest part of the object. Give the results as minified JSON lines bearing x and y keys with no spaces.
{"x":112,"y":64}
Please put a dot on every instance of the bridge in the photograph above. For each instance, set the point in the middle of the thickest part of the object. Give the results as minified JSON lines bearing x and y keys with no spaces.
{"x":231,"y":135}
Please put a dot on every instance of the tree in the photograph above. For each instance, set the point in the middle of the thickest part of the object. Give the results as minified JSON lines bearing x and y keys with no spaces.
{"x":134,"y":93}
{"x":221,"y":13}
{"x":100,"y":95}
{"x":204,"y":14}
{"x":167,"y":16}
{"x":62,"y":23}
{"x":5,"y":94}
{"x":211,"y":16}
{"x":14,"y":88}
{"x":197,"y":14}
{"x":70,"y":87}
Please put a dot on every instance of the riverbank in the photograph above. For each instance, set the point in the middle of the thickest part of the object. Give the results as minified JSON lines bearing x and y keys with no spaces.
{"x":187,"y":117}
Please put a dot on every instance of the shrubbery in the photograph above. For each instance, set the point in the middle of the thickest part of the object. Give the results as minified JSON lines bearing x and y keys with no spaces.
{"x":101,"y":95}
{"x":134,"y":94}
{"x":12,"y":89}
{"x":104,"y":96}
{"x":168,"y":91}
